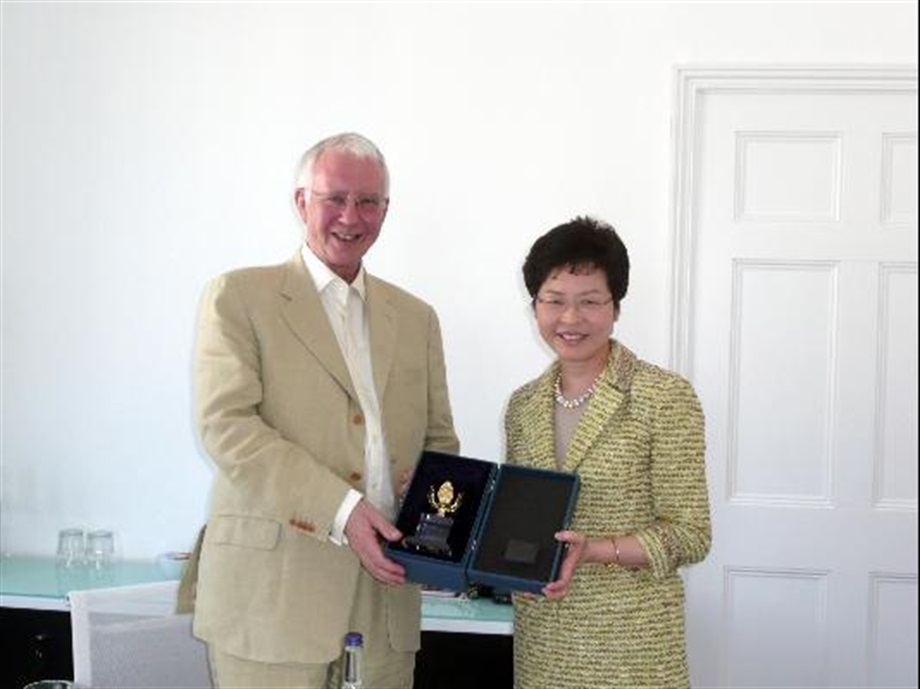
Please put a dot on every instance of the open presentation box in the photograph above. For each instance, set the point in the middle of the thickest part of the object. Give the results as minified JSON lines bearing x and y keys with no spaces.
{"x":493,"y":525}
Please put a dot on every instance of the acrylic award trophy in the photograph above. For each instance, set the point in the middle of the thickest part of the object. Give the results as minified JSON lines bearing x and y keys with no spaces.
{"x":433,"y":528}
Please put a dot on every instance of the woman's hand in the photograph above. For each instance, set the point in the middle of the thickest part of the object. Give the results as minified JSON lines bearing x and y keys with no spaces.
{"x":576,"y":549}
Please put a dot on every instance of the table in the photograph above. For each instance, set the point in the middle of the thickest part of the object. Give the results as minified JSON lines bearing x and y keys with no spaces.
{"x":459,"y":635}
{"x":465,"y":643}
{"x":465,"y":615}
{"x":35,"y":615}
{"x":36,"y":583}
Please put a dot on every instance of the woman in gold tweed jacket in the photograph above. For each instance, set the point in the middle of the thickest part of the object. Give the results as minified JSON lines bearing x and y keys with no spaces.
{"x":634,"y":434}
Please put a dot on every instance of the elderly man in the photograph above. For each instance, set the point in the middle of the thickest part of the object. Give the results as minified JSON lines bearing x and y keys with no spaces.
{"x":318,"y":386}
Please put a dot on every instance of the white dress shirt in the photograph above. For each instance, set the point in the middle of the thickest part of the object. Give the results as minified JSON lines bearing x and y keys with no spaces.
{"x":345,"y":305}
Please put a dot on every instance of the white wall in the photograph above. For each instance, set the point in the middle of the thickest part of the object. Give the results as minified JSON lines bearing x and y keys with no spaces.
{"x":147,"y":147}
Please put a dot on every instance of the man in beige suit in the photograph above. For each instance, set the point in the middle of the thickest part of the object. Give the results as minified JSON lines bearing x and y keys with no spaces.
{"x":318,"y":386}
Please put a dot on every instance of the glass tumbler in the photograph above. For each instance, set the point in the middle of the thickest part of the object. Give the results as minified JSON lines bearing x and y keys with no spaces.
{"x":71,"y":547}
{"x":100,"y":548}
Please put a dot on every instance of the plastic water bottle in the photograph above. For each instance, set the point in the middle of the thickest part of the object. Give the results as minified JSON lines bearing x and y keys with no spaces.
{"x":352,"y":670}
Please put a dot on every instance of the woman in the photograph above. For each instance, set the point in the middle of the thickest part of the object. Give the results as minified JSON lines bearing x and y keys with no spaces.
{"x":634,"y":434}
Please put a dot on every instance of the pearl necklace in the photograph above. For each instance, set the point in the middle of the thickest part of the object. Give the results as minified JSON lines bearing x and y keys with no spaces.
{"x":577,"y":401}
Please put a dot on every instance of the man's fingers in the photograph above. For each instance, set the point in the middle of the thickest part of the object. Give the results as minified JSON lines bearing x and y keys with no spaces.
{"x":365,"y":527}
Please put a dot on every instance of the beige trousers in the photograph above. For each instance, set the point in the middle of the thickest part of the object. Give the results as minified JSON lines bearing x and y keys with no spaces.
{"x":383,"y":667}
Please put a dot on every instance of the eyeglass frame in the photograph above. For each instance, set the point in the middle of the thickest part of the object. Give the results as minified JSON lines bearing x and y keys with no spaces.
{"x":338,"y":202}
{"x":559,"y":306}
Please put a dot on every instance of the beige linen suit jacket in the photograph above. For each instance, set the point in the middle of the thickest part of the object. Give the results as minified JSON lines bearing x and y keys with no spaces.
{"x":280,"y":417}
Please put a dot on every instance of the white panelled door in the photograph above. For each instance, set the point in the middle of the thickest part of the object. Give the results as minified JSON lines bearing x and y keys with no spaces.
{"x":796,"y":301}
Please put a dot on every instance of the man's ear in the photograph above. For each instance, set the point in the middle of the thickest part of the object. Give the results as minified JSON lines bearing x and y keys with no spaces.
{"x":300,"y":202}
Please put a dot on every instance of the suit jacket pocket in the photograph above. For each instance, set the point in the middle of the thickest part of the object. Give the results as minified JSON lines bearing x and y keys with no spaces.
{"x":243,"y":531}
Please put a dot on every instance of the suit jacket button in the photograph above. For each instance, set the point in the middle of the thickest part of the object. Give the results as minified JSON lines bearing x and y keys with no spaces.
{"x":354,"y":477}
{"x":302,"y":525}
{"x":357,"y":419}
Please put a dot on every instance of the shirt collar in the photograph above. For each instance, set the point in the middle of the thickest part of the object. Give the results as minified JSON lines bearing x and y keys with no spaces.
{"x":323,"y":276}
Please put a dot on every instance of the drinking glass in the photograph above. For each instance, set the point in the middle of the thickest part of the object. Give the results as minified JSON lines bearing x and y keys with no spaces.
{"x":100,"y":548}
{"x":71,"y":547}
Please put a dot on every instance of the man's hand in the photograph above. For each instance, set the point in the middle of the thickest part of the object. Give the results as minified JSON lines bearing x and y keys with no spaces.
{"x":404,"y":482}
{"x":366,"y":528}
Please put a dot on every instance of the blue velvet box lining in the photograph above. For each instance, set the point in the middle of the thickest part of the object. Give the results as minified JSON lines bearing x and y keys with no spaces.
{"x":470,"y":478}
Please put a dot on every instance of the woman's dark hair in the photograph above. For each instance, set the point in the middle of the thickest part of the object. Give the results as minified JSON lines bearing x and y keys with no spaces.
{"x":582,"y":243}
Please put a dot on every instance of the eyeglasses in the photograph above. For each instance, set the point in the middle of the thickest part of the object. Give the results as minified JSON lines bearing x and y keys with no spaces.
{"x":586,"y":305}
{"x":367,"y":205}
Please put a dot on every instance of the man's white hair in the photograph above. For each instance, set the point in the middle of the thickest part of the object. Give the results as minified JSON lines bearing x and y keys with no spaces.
{"x":354,"y":143}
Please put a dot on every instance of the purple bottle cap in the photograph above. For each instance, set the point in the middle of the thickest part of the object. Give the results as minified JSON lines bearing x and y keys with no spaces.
{"x":354,"y":639}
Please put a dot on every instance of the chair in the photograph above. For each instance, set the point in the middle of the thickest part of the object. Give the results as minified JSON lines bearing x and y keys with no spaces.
{"x":129,"y":637}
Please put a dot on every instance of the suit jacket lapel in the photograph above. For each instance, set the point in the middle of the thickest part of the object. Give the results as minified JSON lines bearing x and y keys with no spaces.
{"x":382,"y":332}
{"x":539,"y":408}
{"x":604,"y":405}
{"x":303,"y":311}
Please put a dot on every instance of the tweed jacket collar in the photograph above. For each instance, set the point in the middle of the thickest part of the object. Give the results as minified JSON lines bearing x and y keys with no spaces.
{"x":612,"y":395}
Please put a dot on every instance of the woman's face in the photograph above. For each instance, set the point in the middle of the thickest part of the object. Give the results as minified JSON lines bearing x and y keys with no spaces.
{"x":575,"y":314}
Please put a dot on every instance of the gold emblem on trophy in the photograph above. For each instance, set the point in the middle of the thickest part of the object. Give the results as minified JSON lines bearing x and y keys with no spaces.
{"x":445,"y":501}
{"x":433,"y":528}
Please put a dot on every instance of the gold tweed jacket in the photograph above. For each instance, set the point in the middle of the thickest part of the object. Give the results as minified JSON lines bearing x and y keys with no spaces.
{"x":639,"y":450}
